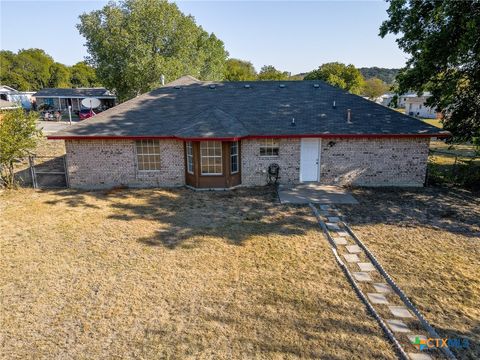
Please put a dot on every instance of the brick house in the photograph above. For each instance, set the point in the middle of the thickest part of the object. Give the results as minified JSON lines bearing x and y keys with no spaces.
{"x":225,"y":134}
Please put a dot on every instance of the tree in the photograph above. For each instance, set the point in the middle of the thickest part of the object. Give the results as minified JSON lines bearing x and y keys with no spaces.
{"x":59,"y":76}
{"x":18,"y":138}
{"x":268,"y":72}
{"x":374,"y":87}
{"x":83,"y":75}
{"x":337,"y":74}
{"x":239,"y":70}
{"x":132,"y":43}
{"x":27,"y":70}
{"x":442,"y":40}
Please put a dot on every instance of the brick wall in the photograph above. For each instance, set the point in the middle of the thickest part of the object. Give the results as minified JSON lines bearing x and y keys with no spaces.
{"x":361,"y":162}
{"x":254,"y":166}
{"x":107,"y":163}
{"x":374,"y":162}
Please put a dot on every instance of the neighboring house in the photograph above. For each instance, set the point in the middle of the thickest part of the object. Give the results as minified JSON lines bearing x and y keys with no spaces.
{"x":8,"y":105}
{"x":23,"y":98}
{"x":224,"y":134}
{"x":60,"y":99}
{"x":415,"y":106}
{"x":385,"y":99}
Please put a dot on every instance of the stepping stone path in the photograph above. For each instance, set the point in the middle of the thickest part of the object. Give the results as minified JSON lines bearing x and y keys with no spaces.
{"x":377,"y":298}
{"x":419,"y":356}
{"x":354,"y":249}
{"x":361,"y":276}
{"x":351,"y":258}
{"x":340,"y":240}
{"x":375,"y":292}
{"x":332,"y":226}
{"x":366,"y":266}
{"x":398,"y":326}
{"x":382,"y":288}
{"x":400,"y":311}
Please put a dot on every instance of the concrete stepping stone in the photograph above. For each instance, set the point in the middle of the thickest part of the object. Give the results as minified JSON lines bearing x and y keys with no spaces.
{"x":354,"y":249}
{"x":340,"y":241}
{"x":366,"y":266}
{"x":333,"y":219}
{"x":332,"y":226}
{"x":400,"y":311}
{"x":419,"y":356}
{"x":398,"y":326}
{"x":382,"y":288}
{"x":351,"y":258}
{"x":362,"y":276}
{"x":377,"y":298}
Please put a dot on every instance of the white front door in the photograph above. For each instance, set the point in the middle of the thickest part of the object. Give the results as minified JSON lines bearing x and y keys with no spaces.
{"x":310,"y":160}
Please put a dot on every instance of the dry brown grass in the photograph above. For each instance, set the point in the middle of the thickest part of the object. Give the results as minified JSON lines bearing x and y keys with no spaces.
{"x":173,"y":274}
{"x":429,"y":241}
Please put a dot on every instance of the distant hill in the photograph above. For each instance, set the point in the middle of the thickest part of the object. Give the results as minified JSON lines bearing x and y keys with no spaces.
{"x":387,"y":75}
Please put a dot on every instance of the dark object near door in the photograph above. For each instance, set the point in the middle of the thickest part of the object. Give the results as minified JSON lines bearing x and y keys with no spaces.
{"x":273,"y":172}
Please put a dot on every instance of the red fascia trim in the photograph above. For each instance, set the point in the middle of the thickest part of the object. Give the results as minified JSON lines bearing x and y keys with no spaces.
{"x":323,"y":136}
{"x":53,"y":137}
{"x":349,"y":136}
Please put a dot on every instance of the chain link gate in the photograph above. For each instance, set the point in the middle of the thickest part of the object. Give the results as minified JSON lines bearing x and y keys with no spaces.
{"x":49,"y":172}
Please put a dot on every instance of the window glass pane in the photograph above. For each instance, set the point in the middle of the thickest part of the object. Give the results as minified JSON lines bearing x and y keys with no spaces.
{"x":269,"y":147}
{"x":211,"y":157}
{"x":148,"y":155}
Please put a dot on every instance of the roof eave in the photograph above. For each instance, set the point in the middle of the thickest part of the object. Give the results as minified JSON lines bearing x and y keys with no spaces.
{"x":247,"y":137}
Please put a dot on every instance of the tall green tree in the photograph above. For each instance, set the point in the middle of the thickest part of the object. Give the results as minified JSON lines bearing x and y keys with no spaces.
{"x":59,"y":76}
{"x":83,"y":75}
{"x":337,"y":74}
{"x":132,"y":43}
{"x":374,"y":87}
{"x":442,"y":38}
{"x":29,"y":69}
{"x":239,"y":70}
{"x":18,"y":138}
{"x":268,"y":72}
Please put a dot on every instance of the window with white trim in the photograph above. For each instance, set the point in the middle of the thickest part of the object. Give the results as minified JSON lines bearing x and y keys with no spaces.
{"x":148,"y":155}
{"x":211,"y":157}
{"x":269,"y":147}
{"x":234,"y":157}
{"x":189,"y":157}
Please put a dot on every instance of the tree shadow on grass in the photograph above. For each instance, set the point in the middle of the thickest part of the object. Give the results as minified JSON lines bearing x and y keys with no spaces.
{"x":184,"y":215}
{"x":452,"y":210}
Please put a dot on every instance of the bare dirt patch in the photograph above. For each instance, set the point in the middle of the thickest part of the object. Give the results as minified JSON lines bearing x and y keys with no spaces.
{"x":173,"y":274}
{"x":429,"y":241}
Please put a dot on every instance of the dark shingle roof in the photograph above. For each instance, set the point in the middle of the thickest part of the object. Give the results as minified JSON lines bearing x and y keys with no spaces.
{"x":188,"y":108}
{"x":75,"y":93}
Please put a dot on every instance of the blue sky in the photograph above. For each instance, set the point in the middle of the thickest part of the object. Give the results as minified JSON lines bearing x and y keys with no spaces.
{"x":292,"y":36}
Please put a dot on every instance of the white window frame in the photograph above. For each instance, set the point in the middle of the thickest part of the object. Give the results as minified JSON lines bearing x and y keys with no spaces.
{"x":207,"y":157}
{"x":149,"y":145}
{"x":190,"y":164}
{"x":234,"y":155}
{"x":270,"y":144}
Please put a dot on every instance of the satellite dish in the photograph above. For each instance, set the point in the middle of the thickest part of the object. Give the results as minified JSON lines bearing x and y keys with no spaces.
{"x":91,"y":102}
